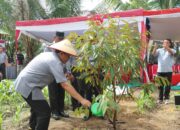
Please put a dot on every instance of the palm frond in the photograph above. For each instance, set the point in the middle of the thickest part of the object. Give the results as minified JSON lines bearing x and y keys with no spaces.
{"x":64,"y":8}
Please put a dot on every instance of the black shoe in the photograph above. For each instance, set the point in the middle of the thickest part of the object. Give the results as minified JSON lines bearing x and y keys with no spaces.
{"x":86,"y":118}
{"x":63,"y":114}
{"x":55,"y":116}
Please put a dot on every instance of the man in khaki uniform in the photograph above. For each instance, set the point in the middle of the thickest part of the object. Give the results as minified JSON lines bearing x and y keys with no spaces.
{"x":41,"y":71}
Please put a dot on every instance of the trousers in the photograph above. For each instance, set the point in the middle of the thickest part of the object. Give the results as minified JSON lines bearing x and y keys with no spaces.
{"x":40,"y":113}
{"x":165,"y":93}
{"x":56,"y":97}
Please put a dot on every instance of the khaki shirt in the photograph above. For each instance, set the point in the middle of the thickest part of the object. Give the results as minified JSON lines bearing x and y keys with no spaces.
{"x":3,"y":57}
{"x":41,"y":71}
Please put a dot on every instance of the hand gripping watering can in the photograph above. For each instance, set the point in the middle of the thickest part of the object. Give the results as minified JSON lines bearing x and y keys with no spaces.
{"x":94,"y":110}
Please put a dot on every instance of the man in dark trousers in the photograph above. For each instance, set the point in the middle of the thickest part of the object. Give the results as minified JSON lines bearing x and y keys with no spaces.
{"x":56,"y":94}
{"x":3,"y":62}
{"x":20,"y":61}
{"x":165,"y":62}
{"x":41,"y":71}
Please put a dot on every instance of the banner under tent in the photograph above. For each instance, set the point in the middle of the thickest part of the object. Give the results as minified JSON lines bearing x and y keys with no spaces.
{"x":164,"y":24}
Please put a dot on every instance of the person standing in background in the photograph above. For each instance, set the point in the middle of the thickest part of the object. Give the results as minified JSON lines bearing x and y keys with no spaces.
{"x":20,"y":61}
{"x":165,"y":63}
{"x":56,"y":94}
{"x":3,"y":62}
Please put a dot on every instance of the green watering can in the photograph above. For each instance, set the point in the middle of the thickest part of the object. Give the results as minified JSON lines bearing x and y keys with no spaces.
{"x":96,"y":111}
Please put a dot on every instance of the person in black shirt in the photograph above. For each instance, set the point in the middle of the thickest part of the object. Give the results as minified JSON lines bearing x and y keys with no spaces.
{"x":20,"y":61}
{"x":56,"y":94}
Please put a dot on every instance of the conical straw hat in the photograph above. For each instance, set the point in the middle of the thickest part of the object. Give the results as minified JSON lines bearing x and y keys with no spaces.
{"x":65,"y":46}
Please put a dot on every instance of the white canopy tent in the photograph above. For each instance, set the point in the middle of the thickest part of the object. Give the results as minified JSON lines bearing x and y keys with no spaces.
{"x":163,"y":24}
{"x":44,"y":30}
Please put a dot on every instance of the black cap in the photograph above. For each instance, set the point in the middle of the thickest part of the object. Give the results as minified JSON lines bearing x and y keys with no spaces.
{"x":60,"y":34}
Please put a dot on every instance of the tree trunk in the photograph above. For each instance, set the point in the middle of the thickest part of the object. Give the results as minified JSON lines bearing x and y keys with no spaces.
{"x":115,"y":112}
{"x":28,"y":49}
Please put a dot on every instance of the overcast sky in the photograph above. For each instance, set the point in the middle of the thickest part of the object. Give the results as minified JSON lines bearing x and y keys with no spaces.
{"x":85,"y":4}
{"x":89,"y":4}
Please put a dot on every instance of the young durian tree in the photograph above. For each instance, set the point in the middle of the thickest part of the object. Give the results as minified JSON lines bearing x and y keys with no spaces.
{"x":110,"y":49}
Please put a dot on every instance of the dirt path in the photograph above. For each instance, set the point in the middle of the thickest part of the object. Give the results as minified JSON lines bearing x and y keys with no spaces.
{"x":165,"y":117}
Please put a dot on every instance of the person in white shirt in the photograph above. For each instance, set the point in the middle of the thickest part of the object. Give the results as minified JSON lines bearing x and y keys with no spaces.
{"x":165,"y":63}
